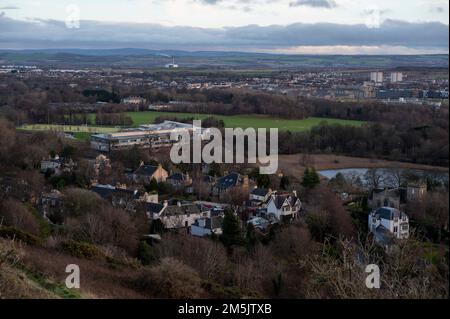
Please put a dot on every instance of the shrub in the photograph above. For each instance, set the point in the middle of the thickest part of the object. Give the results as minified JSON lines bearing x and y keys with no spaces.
{"x":14,"y":233}
{"x":80,"y":249}
{"x":171,"y":279}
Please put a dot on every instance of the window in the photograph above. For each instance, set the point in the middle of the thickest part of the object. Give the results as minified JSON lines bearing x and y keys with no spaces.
{"x":395,"y":229}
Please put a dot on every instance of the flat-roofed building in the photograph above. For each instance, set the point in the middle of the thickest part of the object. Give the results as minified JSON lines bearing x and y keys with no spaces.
{"x":146,"y":136}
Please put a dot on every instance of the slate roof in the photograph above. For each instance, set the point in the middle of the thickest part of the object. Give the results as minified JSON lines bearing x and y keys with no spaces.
{"x":153,"y":208}
{"x":179,"y":177}
{"x":107,"y":191}
{"x":388,"y":213}
{"x":259,"y":192}
{"x":181,"y":210}
{"x":280,"y":199}
{"x":214,"y":222}
{"x":146,"y":170}
{"x":228,"y":181}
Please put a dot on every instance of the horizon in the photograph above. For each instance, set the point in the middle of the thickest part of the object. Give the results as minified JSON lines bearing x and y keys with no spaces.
{"x":66,"y":50}
{"x":312,"y":27}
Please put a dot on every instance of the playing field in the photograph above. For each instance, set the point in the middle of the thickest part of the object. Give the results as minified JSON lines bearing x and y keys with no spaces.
{"x":68,"y":128}
{"x":84,"y":132}
{"x":244,"y":121}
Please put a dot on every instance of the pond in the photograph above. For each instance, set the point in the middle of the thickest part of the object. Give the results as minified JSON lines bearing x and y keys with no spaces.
{"x":387,"y":175}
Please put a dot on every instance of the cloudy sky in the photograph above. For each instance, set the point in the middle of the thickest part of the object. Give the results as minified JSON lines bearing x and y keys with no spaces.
{"x":285,"y":26}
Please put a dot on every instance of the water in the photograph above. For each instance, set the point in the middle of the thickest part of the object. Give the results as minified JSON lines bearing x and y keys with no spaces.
{"x":353,"y":174}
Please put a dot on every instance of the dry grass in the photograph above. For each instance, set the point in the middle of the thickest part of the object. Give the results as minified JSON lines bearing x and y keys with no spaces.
{"x":99,"y":278}
{"x":295,"y":164}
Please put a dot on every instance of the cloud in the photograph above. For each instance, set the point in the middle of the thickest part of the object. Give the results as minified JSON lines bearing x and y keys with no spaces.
{"x":9,"y":8}
{"x":314,"y":3}
{"x":39,"y":33}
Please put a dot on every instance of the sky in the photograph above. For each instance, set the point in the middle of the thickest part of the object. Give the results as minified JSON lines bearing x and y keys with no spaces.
{"x":282,"y":26}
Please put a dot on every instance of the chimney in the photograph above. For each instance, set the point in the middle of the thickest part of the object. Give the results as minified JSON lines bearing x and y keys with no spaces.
{"x":166,"y":203}
{"x":295,"y":193}
{"x":141,"y":164}
{"x":179,"y":203}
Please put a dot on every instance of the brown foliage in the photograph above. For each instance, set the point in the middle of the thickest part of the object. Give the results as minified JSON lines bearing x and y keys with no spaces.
{"x":14,"y":213}
{"x":171,"y":279}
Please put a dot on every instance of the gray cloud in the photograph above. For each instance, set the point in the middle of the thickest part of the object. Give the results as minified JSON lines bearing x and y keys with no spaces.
{"x":314,"y":3}
{"x":9,"y":8}
{"x":40,"y":33}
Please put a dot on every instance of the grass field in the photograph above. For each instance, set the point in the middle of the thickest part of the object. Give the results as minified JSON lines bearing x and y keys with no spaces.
{"x":244,"y":121}
{"x":68,"y":128}
{"x":83,"y":132}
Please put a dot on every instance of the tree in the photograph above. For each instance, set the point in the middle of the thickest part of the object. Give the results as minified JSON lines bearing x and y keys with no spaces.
{"x":374,"y":178}
{"x":251,"y":238}
{"x":263,"y":180}
{"x":310,"y":178}
{"x":231,"y":230}
{"x":145,"y":253}
{"x":284,"y":182}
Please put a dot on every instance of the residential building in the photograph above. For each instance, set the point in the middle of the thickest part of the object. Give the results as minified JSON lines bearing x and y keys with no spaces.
{"x":233,"y":182}
{"x":284,"y":207}
{"x":123,"y":197}
{"x":134,"y":100}
{"x":376,"y":77}
{"x":396,"y":197}
{"x":179,"y":180}
{"x":207,"y":226}
{"x":181,"y":215}
{"x":259,"y":196}
{"x":387,"y":224}
{"x":396,"y":77}
{"x":56,"y":165}
{"x":145,"y":173}
{"x":52,"y":204}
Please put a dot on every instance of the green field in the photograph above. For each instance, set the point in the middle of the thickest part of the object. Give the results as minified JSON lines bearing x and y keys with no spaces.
{"x":68,"y":128}
{"x":83,"y":132}
{"x":244,"y":121}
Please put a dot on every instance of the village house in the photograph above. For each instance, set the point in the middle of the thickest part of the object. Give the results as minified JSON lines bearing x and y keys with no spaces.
{"x":259,"y":196}
{"x":146,"y":173}
{"x":51,"y":205}
{"x":179,"y":180}
{"x":180,"y":215}
{"x":231,"y":183}
{"x":101,"y":166}
{"x":388,"y":223}
{"x":396,"y":197}
{"x":121,"y":197}
{"x":56,"y":165}
{"x":284,"y":207}
{"x":207,"y":226}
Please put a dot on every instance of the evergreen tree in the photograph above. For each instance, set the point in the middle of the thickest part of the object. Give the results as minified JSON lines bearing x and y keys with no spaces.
{"x":231,"y":230}
{"x":263,"y":180}
{"x":250,"y":236}
{"x":310,"y":178}
{"x":284,"y":182}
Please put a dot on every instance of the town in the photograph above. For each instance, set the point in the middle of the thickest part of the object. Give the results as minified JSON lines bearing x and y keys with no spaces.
{"x":239,"y":150}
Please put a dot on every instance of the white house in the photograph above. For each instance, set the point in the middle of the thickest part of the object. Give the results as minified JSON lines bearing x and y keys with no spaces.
{"x":175,"y":216}
{"x":207,"y":226}
{"x":284,"y":207}
{"x":387,"y":223}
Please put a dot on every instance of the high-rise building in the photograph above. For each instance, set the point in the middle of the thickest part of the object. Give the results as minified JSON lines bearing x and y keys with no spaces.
{"x":376,"y":77}
{"x":396,"y":77}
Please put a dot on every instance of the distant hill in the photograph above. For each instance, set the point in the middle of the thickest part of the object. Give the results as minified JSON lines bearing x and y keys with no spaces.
{"x":134,"y":57}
